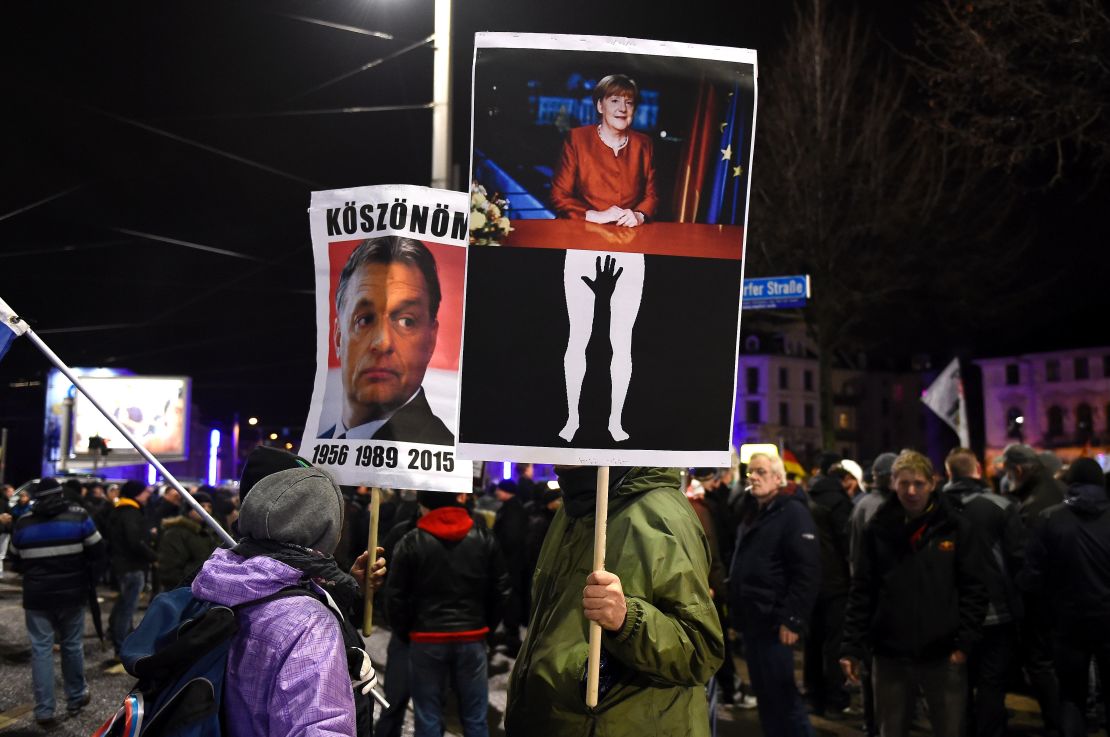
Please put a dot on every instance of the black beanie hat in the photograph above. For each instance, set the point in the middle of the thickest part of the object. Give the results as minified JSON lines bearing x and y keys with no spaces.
{"x":264,"y":461}
{"x":44,"y":487}
{"x":1086,"y":471}
{"x":436,"y":499}
{"x":132,"y":489}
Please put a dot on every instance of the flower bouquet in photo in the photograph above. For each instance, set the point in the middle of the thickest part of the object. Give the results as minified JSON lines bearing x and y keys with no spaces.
{"x":488,"y":221}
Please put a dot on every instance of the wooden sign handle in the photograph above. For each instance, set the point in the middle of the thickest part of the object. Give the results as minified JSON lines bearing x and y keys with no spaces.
{"x":601,"y":513}
{"x":372,"y":548}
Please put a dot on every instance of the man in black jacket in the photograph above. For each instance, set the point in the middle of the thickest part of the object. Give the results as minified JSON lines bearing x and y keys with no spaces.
{"x":772,"y":586}
{"x":60,"y":553}
{"x":131,"y":554}
{"x":917,"y":603}
{"x":446,"y":587}
{"x":510,"y":528}
{"x":832,"y":509}
{"x":995,"y":519}
{"x":1068,"y":564}
{"x":1036,"y":490}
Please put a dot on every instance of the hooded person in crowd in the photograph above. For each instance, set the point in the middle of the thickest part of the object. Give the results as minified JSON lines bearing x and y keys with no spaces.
{"x":60,"y":554}
{"x":1067,"y":563}
{"x":131,"y":551}
{"x":510,"y":528}
{"x":831,"y":507}
{"x":661,"y":640}
{"x":446,"y":592}
{"x":287,"y":668}
{"x":1035,"y":488}
{"x":185,"y":543}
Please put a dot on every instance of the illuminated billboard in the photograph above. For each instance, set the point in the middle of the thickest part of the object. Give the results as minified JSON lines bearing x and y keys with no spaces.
{"x":154,"y":409}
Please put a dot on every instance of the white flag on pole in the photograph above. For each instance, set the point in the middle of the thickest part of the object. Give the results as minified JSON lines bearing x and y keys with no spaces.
{"x":945,"y":396}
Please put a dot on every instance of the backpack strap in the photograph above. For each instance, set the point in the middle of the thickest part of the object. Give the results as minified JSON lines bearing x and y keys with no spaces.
{"x":281,"y":594}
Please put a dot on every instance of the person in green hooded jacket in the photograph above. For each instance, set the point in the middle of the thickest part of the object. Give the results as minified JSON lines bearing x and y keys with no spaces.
{"x":662,"y":639}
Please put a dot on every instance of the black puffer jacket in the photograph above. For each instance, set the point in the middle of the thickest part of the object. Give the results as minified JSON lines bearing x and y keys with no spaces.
{"x":446,"y":577}
{"x":59,"y":552}
{"x":129,"y":540}
{"x":996,"y":520}
{"x":832,"y":512}
{"x":1068,"y":558}
{"x":917,"y":589}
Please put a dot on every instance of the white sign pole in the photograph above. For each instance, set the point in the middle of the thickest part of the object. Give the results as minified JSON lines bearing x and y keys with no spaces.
{"x":601,"y":514}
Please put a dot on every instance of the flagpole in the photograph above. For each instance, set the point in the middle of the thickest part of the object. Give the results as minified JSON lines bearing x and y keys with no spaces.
{"x":54,"y":359}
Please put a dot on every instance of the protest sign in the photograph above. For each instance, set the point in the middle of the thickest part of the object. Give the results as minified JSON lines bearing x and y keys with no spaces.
{"x":390,"y":263}
{"x":604,"y":329}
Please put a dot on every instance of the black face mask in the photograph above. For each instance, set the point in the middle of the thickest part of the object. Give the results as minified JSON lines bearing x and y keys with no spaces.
{"x":579,"y":487}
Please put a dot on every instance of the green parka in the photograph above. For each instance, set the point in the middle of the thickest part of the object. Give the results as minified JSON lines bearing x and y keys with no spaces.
{"x":671,"y":642}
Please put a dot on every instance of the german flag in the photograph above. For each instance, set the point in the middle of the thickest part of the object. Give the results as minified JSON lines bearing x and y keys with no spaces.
{"x":790,"y":463}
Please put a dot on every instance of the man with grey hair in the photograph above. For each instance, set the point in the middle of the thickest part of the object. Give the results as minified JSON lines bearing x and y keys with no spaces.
{"x":386,"y":326}
{"x":775,"y":576}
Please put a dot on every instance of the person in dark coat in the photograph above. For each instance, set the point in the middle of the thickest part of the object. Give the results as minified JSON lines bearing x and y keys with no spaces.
{"x":131,"y":553}
{"x":832,"y":509}
{"x":1031,"y":483}
{"x":539,"y":521}
{"x":60,"y":553}
{"x":773,"y":583}
{"x":185,"y":543}
{"x":391,"y":721}
{"x":510,"y":528}
{"x":995,"y":519}
{"x":916,"y":604}
{"x":1067,"y":564}
{"x":445,"y":590}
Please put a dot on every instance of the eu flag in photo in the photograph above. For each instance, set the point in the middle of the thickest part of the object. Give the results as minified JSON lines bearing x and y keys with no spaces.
{"x":726,"y":202}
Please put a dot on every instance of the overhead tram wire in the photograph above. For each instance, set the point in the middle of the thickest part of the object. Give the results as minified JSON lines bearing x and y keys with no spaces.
{"x":189,"y":244}
{"x":338,"y":26}
{"x":305,"y":113}
{"x":43,"y":201}
{"x":369,"y":65}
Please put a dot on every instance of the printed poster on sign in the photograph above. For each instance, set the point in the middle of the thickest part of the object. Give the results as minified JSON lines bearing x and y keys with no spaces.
{"x":390,"y":263}
{"x":613,"y":176}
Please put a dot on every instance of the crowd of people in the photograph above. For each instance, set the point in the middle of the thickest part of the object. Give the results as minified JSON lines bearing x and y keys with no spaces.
{"x":930,"y":592}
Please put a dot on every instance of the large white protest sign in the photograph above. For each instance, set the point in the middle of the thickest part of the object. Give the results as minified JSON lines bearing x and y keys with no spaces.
{"x":390,"y":263}
{"x":604,"y":329}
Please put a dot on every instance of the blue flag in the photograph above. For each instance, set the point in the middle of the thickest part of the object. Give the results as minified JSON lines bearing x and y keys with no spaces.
{"x":729,"y":176}
{"x":11,"y":327}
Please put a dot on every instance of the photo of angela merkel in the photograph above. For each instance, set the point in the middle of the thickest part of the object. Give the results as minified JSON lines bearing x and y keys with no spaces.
{"x":606,"y":172}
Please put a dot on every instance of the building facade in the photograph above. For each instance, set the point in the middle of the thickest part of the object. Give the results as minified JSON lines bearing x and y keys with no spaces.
{"x":1057,"y":400}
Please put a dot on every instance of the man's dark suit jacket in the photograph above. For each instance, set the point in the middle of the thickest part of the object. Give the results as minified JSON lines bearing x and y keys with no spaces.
{"x":413,"y":423}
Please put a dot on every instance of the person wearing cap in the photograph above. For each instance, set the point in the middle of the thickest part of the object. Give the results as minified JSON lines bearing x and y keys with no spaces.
{"x":995,"y":519}
{"x":60,"y":554}
{"x":916,"y":604}
{"x":661,"y":640}
{"x":831,"y":507}
{"x":1067,"y":563}
{"x":185,"y":543}
{"x":510,"y":528}
{"x":851,"y":478}
{"x":287,"y":668}
{"x":131,"y":552}
{"x":1036,"y":490}
{"x":444,"y":595}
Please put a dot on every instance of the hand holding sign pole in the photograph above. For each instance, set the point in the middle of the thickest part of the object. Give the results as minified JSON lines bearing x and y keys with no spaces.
{"x":601,"y":513}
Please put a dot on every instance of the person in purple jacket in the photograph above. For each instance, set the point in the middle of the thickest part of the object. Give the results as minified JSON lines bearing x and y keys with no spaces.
{"x":287,"y":670}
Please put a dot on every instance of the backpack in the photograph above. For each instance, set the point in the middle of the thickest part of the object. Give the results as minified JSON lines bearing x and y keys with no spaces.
{"x":179,"y":654}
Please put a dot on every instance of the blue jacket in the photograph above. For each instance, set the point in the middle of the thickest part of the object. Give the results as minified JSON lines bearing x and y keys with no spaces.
{"x":776,"y":569}
{"x":58,"y":552}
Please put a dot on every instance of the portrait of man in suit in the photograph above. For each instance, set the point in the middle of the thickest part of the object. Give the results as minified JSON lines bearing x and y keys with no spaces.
{"x":386,"y":326}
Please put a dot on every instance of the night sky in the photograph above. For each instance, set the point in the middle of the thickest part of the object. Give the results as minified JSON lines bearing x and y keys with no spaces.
{"x":148,"y":123}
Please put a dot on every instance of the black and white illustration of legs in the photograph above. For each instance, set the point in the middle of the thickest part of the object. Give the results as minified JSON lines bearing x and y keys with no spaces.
{"x":600,"y":286}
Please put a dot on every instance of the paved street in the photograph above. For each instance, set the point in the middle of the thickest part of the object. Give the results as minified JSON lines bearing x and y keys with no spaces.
{"x":109,"y":685}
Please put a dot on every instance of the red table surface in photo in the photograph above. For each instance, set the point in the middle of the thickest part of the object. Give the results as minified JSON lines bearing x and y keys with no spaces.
{"x":662,"y":239}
